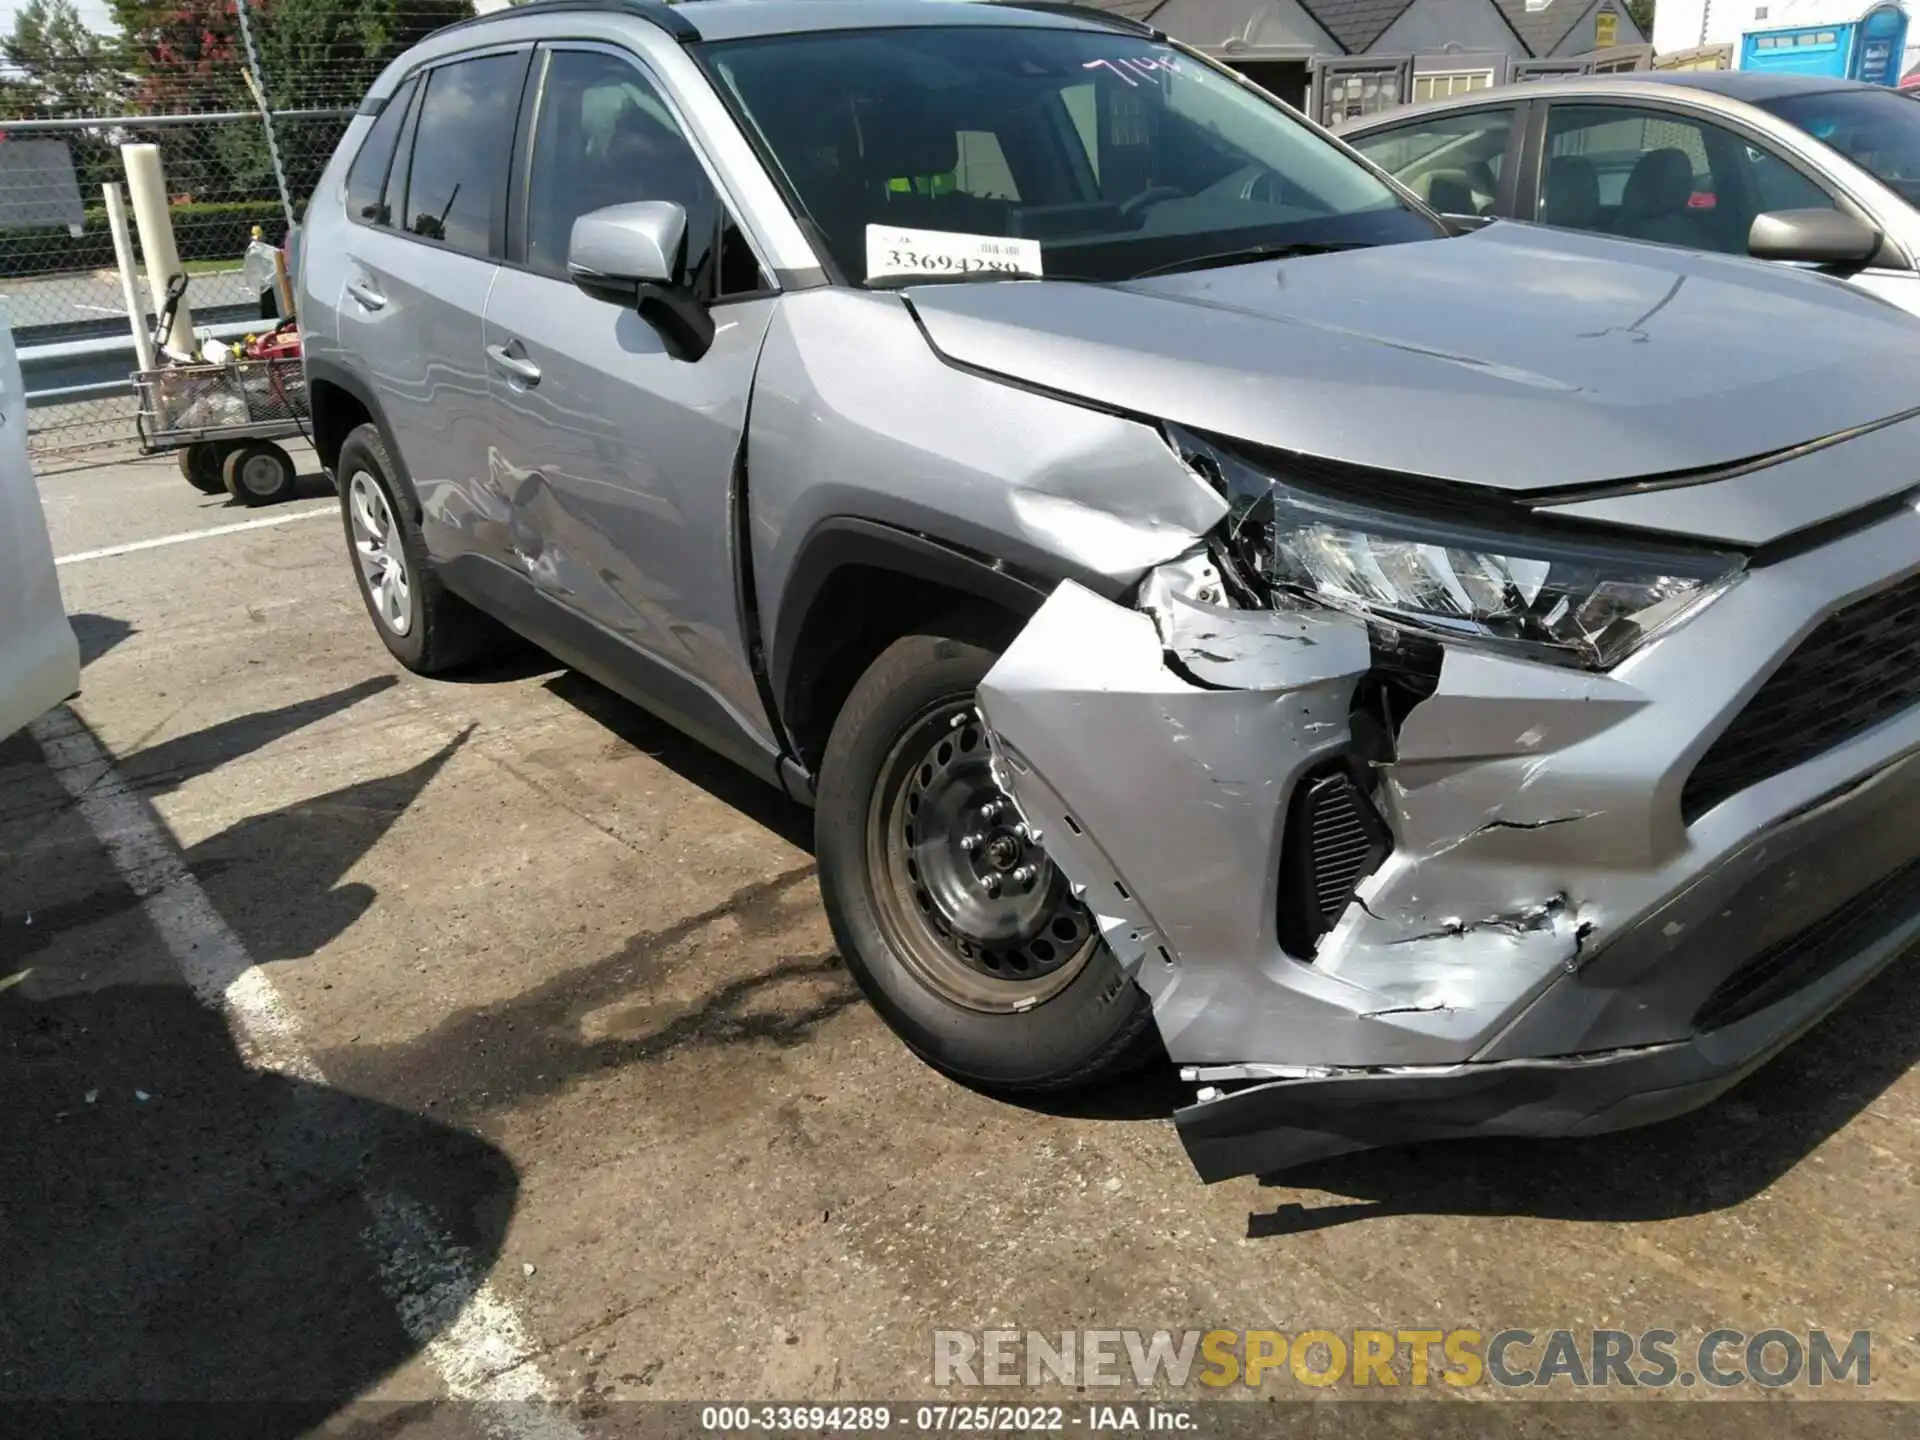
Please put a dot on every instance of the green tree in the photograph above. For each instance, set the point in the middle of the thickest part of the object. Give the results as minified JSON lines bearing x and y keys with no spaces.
{"x":63,"y":69}
{"x":327,"y":52}
{"x":182,"y":55}
{"x":1641,"y":13}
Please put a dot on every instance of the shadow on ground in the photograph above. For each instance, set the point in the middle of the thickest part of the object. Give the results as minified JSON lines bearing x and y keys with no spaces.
{"x":275,"y":877}
{"x":480,"y":1060}
{"x":721,"y":778}
{"x":98,"y":634}
{"x":180,"y":1227}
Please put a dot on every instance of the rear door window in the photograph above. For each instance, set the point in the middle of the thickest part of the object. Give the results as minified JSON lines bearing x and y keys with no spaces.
{"x":457,"y":185}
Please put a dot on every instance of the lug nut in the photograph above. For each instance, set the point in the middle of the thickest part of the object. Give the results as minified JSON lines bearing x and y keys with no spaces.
{"x":970,"y":843}
{"x":1021,"y":831}
{"x":988,"y":811}
{"x":992,"y":882}
{"x":1023,"y":875}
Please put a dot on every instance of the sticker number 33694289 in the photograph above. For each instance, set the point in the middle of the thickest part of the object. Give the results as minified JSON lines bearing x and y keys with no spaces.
{"x":893,"y":251}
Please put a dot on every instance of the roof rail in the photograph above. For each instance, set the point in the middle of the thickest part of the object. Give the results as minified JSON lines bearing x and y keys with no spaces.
{"x":665,"y":15}
{"x":1089,"y":13}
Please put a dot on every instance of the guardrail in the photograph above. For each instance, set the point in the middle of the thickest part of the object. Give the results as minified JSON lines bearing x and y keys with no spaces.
{"x":69,"y":372}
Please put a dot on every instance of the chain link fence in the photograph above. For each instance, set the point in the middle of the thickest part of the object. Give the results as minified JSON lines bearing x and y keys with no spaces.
{"x":246,"y":100}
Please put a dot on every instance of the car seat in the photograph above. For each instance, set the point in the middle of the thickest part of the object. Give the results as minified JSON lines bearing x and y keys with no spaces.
{"x":1571,"y":196}
{"x":1654,"y":204}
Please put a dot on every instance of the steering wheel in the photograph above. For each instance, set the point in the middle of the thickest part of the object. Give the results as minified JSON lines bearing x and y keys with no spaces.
{"x":1152,"y":195}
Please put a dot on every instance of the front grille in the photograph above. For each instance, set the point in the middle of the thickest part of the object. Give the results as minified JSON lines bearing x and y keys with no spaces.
{"x":1799,"y":960}
{"x":1861,"y":665}
{"x":1334,"y":840}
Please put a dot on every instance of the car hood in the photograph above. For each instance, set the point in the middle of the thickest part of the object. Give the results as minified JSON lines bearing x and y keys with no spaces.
{"x":1513,"y":357}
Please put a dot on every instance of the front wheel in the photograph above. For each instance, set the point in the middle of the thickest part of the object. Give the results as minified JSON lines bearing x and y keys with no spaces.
{"x":962,"y":932}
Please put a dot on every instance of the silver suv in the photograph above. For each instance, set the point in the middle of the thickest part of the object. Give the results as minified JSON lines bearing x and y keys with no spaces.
{"x":1430,"y":684}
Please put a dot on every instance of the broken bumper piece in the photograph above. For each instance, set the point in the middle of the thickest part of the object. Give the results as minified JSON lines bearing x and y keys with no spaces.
{"x":1273,"y":1127}
{"x":1541,"y":944}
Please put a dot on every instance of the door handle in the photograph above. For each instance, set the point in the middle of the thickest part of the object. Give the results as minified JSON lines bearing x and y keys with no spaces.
{"x":364,"y":292}
{"x":521,"y":368}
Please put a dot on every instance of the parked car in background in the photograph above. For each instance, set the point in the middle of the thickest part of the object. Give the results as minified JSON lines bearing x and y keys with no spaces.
{"x":1207,"y":604}
{"x":39,"y":657}
{"x":1689,"y":158}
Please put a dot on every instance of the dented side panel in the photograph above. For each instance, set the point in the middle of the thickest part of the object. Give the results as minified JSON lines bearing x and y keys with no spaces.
{"x":853,"y":414}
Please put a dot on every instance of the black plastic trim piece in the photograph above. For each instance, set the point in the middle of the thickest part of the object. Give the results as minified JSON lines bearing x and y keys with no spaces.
{"x":665,"y":16}
{"x":334,"y":373}
{"x":1303,"y":921}
{"x":1106,"y":20}
{"x":842,"y":541}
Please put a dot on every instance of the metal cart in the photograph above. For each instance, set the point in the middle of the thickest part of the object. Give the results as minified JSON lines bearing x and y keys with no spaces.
{"x":224,"y":420}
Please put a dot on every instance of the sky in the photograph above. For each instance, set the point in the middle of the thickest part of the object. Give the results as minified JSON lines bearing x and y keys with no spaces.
{"x":94,"y":12}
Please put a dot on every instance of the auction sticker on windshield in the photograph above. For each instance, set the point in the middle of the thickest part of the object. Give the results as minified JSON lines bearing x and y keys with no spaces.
{"x":892,"y":251}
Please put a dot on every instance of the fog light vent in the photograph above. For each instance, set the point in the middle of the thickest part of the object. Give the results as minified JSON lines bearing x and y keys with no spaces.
{"x":1334,"y":840}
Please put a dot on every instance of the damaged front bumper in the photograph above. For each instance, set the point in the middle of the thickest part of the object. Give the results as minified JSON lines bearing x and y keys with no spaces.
{"x":1540,"y":941}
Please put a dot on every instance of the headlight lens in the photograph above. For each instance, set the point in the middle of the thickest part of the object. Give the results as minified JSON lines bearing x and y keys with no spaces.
{"x":1565,"y":601}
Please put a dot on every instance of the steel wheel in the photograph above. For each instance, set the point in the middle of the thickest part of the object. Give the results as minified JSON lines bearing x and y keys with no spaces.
{"x":376,"y":545}
{"x":967,"y":899}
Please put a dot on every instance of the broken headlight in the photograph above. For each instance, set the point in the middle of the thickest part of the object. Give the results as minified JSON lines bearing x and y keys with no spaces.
{"x":1564,"y":600}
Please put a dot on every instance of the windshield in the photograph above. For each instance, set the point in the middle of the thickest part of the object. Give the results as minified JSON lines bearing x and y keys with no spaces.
{"x":1876,"y":129}
{"x":929,"y":152}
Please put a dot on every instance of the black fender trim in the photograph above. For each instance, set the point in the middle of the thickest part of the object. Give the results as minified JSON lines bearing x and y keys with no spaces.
{"x":841,"y":541}
{"x":336,"y":374}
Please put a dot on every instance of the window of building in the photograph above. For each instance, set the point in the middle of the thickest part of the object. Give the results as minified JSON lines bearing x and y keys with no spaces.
{"x":1453,"y":82}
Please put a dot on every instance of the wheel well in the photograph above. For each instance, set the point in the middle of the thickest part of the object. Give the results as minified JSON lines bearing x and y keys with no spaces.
{"x":857,"y":613}
{"x":337,"y":413}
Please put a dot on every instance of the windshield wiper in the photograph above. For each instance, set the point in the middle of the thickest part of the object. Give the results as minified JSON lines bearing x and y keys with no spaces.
{"x":1248,"y":255}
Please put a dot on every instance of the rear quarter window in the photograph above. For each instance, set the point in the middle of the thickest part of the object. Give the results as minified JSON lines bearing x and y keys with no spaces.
{"x":367,"y":178}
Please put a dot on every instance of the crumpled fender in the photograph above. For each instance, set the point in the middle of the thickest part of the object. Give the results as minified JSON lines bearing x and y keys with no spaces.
{"x":1178,"y":788}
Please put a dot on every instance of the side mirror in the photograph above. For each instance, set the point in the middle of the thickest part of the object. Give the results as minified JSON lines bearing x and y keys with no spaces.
{"x":633,"y":255}
{"x":1816,"y":237}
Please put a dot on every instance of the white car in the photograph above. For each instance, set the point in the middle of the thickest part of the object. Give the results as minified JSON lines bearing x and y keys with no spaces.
{"x":39,"y":657}
{"x":1796,"y":168}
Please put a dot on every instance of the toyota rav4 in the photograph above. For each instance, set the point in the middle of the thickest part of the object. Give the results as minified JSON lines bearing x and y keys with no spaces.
{"x":1431,"y":684}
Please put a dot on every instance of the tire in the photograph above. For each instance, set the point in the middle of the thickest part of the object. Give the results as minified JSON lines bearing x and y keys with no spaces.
{"x":258,"y":472}
{"x":428,"y":628}
{"x":201,"y":467}
{"x":1084,"y":1020}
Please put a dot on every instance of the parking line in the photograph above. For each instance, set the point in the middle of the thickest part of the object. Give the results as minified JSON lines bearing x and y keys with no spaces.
{"x":471,"y":1334}
{"x":185,"y":535}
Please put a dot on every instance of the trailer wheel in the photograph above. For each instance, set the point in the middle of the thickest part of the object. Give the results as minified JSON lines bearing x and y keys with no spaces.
{"x":200,"y":464}
{"x":258,"y":472}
